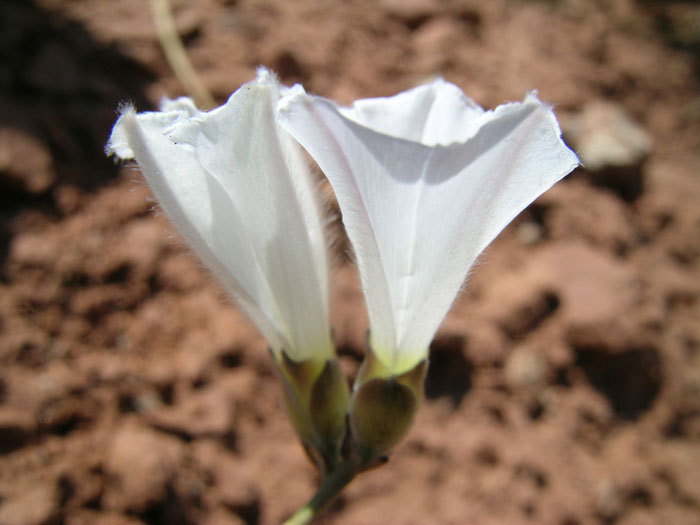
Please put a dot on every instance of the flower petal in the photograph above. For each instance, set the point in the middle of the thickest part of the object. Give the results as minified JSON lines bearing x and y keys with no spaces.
{"x":435,"y":113}
{"x":419,"y":214}
{"x":240,"y":192}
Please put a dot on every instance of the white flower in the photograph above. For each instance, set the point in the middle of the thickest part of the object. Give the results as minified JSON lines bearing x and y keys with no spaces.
{"x":425,"y":181}
{"x":239,"y":190}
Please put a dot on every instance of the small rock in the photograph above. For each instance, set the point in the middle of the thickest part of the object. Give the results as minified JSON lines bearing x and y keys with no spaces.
{"x":234,"y":487}
{"x":180,"y":273}
{"x":611,"y":145}
{"x":485,"y":344}
{"x":68,"y":199}
{"x":35,"y":504}
{"x":142,"y":464}
{"x":31,"y":249}
{"x":676,"y":460}
{"x":596,"y":294}
{"x":432,"y":42}
{"x":529,"y":233}
{"x":525,"y":368}
{"x":606,"y":136}
{"x":608,"y":502}
{"x":25,"y":162}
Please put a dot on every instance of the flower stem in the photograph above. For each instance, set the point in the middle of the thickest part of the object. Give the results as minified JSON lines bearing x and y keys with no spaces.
{"x":176,"y":55}
{"x":331,"y":487}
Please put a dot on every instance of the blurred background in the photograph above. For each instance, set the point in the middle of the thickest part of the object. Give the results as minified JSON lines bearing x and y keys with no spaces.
{"x":564,"y":386}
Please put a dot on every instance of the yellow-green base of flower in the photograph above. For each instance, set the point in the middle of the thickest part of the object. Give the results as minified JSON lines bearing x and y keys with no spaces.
{"x":317,"y":400}
{"x":380,"y":413}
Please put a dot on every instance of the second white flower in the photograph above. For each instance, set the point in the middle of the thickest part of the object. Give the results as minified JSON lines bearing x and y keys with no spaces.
{"x":425,"y":181}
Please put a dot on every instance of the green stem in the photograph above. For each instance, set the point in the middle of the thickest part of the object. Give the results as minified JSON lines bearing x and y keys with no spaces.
{"x":331,"y":487}
{"x":176,"y":54}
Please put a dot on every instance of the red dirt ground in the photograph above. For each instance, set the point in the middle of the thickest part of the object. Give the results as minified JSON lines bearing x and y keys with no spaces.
{"x":564,"y":386}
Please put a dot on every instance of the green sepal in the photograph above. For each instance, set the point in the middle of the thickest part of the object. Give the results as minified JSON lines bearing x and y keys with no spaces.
{"x":328,"y":407}
{"x":383,"y":406}
{"x":317,"y":398}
